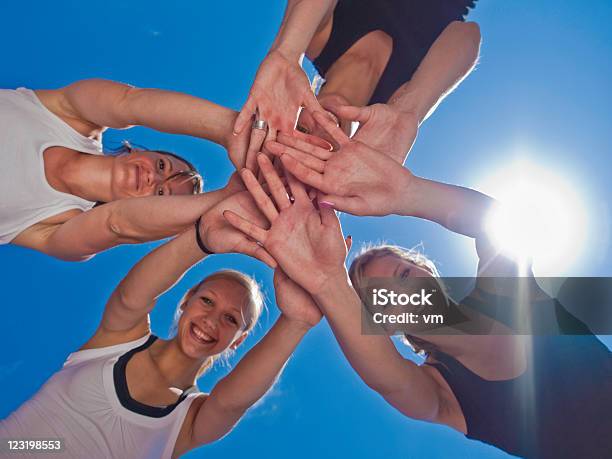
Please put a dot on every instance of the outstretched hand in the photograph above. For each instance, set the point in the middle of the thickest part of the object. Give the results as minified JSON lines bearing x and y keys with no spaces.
{"x":221,"y":237}
{"x":356,"y":179}
{"x":382,"y":127}
{"x":280,"y":88}
{"x":307,"y":243}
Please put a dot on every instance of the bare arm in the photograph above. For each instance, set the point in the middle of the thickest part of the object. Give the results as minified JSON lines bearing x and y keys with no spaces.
{"x":461,"y":210}
{"x":401,"y":382}
{"x":126,"y":315}
{"x":392,"y":128}
{"x":449,"y":60}
{"x":126,"y":221}
{"x":247,"y":383}
{"x":92,"y":105}
{"x":301,"y":20}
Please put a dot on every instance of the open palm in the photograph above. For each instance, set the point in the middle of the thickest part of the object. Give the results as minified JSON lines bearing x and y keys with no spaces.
{"x":306,"y":243}
{"x":355,"y":179}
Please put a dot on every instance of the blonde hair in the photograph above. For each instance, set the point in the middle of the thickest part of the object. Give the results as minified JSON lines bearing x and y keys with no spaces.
{"x":415,"y":256}
{"x":255,"y":305}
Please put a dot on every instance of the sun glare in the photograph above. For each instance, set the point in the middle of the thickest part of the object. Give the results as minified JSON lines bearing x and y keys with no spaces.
{"x":542,"y":216}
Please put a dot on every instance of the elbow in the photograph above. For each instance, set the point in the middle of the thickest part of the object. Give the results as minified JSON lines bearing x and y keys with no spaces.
{"x":471,"y":33}
{"x":468,"y":34}
{"x":125,"y":103}
{"x":75,"y":257}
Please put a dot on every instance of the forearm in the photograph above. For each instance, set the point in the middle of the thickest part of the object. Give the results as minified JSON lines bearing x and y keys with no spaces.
{"x":117,"y":105}
{"x":258,"y":369}
{"x":178,"y":113}
{"x":157,"y":272}
{"x":151,"y":218}
{"x":449,"y":60}
{"x":373,"y":357}
{"x":461,"y":210}
{"x":127,"y":221}
{"x":300,"y":22}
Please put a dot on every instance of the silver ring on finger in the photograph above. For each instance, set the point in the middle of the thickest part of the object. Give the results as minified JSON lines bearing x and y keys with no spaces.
{"x":260,"y":124}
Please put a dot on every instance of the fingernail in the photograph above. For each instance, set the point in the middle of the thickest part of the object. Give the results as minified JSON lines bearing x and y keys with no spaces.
{"x":349,"y":237}
{"x":328,"y":204}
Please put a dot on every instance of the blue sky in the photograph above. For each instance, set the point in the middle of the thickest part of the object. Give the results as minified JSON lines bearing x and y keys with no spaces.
{"x":540,"y":91}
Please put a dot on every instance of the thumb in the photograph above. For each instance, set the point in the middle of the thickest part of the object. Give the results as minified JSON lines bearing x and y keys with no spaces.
{"x":350,"y":204}
{"x":350,"y":112}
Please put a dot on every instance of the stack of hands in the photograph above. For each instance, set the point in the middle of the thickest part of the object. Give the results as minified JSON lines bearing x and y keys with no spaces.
{"x":281,"y":206}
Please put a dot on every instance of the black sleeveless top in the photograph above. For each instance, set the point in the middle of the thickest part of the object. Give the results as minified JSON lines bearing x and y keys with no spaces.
{"x":412,"y":24}
{"x":560,"y":407}
{"x":123,"y":394}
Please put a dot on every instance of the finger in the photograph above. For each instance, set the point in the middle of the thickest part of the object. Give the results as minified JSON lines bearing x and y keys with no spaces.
{"x":306,"y":145}
{"x":255,"y":250}
{"x":328,"y":215}
{"x":311,"y":102}
{"x":277,"y":189}
{"x":302,"y":173}
{"x":261,"y":198}
{"x":256,"y":141}
{"x":298,"y":190}
{"x":331,"y":128}
{"x":272,"y":133}
{"x":243,"y":118}
{"x":278,"y":149}
{"x":245,"y":226}
{"x":361,"y":114}
{"x":313,"y":140}
{"x":350,"y":204}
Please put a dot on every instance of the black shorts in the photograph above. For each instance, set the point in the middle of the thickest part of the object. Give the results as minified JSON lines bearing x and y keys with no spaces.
{"x":412,"y":24}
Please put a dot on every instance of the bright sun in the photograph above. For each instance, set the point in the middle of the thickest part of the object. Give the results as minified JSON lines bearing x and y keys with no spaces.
{"x":541,"y":216}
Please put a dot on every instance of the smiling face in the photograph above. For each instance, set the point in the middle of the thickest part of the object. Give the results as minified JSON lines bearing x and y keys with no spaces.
{"x":149,"y":173}
{"x":214,"y":318}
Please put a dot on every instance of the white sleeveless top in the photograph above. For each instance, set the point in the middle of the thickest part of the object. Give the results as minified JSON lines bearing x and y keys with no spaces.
{"x":27,"y":128}
{"x":80,"y":404}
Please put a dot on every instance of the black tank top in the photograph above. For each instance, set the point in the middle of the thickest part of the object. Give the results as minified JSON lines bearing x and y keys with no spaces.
{"x":560,"y":407}
{"x":412,"y":24}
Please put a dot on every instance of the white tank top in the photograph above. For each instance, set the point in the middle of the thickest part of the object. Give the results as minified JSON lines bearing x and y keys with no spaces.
{"x":27,"y":129}
{"x":81,"y":405}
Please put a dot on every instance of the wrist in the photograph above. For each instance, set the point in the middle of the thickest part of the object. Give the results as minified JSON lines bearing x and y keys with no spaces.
{"x":227,"y":128}
{"x":287,"y":52}
{"x":298,"y":327}
{"x":404,"y":193}
{"x":410,"y":199}
{"x":332,"y":283}
{"x":410,"y":105}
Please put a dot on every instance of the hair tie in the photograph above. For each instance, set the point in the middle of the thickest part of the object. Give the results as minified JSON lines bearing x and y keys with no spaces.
{"x":201,"y":244}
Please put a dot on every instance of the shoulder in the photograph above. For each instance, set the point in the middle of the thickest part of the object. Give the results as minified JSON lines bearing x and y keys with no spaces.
{"x":56,"y":102}
{"x":449,"y":410}
{"x":184,"y":441}
{"x":36,"y":235}
{"x":104,"y":338}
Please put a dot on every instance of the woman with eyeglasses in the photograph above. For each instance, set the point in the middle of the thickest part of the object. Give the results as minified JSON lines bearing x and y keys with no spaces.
{"x":62,"y":196}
